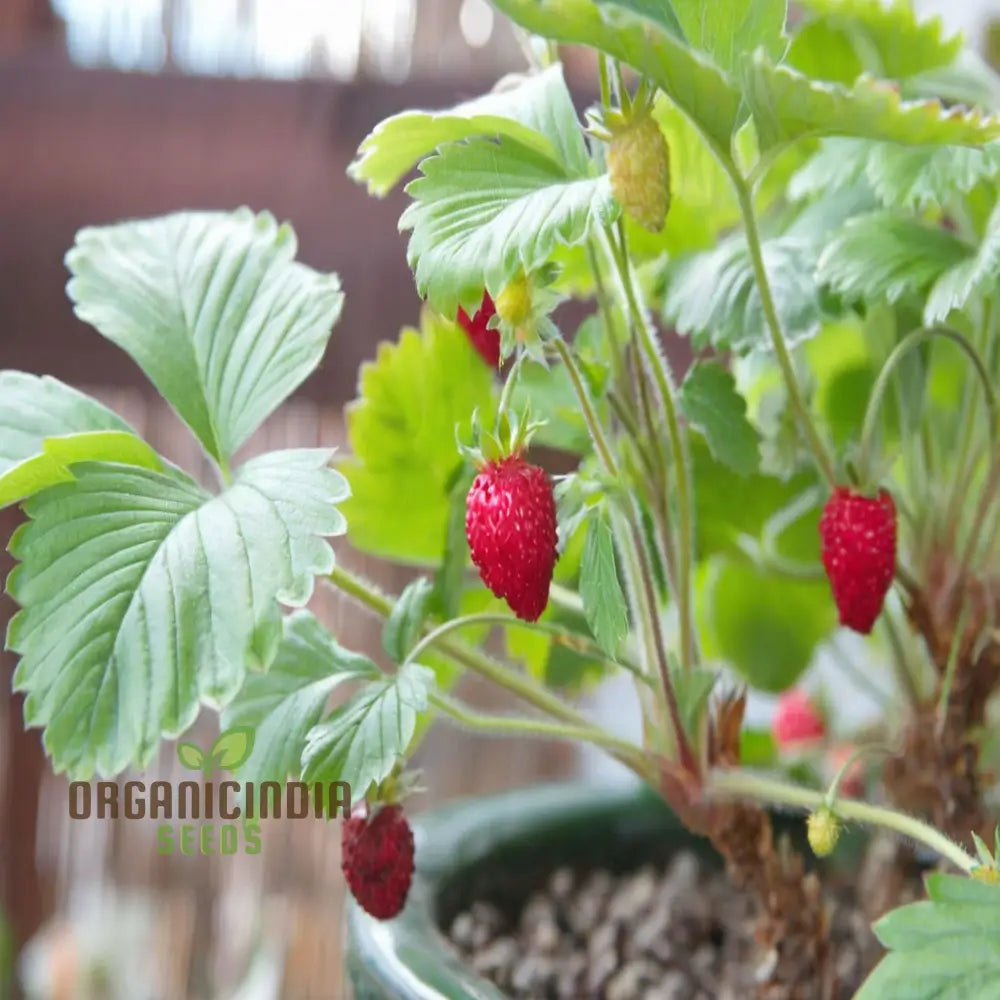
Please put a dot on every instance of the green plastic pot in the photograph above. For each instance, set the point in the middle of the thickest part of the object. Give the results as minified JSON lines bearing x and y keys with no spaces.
{"x":501,"y":847}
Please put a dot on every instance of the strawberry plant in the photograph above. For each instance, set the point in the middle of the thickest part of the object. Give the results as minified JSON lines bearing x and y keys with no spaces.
{"x":814,"y":202}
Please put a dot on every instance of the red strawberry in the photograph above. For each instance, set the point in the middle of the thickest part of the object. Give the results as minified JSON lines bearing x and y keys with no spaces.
{"x":859,"y":553}
{"x":377,"y":860}
{"x":797,"y":720}
{"x":485,"y":341}
{"x":510,"y":521}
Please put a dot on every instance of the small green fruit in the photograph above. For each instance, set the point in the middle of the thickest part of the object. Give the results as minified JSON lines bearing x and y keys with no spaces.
{"x":823,"y":829}
{"x":639,"y":167}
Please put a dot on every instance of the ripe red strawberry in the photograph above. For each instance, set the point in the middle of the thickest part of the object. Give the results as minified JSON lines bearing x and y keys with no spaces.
{"x":377,"y":860}
{"x":510,"y":522}
{"x":797,"y":720}
{"x":859,"y":553}
{"x":485,"y":341}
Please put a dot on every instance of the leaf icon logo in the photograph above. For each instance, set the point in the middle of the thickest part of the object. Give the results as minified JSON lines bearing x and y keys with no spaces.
{"x":228,"y":752}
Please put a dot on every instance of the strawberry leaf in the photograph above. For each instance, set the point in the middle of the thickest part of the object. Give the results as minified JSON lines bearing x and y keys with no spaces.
{"x":483,"y":211}
{"x":766,"y":626}
{"x":600,"y":588}
{"x":538,"y":113}
{"x":285,"y":703}
{"x":787,"y":105}
{"x":714,"y":407}
{"x":969,"y":278}
{"x":361,"y":742}
{"x":402,"y":627}
{"x":213,"y":308}
{"x":45,"y":425}
{"x":726,"y":28}
{"x":713,"y":296}
{"x":142,"y":597}
{"x":910,"y":177}
{"x":645,"y":36}
{"x":887,"y":40}
{"x":402,"y":432}
{"x":945,"y":946}
{"x":885,"y":256}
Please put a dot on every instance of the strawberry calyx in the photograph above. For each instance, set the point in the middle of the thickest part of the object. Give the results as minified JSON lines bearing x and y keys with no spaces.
{"x":511,"y":437}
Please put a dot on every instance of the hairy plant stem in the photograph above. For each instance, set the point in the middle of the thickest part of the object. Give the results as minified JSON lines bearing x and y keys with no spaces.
{"x":369,"y":596}
{"x":897,"y":354}
{"x":564,"y":636}
{"x":503,"y":725}
{"x":587,"y":408}
{"x":806,"y":424}
{"x":647,"y":589}
{"x":744,"y":784}
{"x":618,"y":250}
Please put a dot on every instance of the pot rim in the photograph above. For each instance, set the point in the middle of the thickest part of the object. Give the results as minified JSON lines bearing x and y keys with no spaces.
{"x":409,"y":956}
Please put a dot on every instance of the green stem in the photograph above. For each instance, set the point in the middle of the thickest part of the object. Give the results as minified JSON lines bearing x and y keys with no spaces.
{"x":508,"y":386}
{"x":664,"y":383}
{"x":602,"y":69}
{"x":369,"y":596}
{"x":744,"y":784}
{"x":795,"y":395}
{"x":587,"y":408}
{"x":881,"y":383}
{"x":513,"y":725}
{"x":564,"y":636}
{"x":647,"y":589}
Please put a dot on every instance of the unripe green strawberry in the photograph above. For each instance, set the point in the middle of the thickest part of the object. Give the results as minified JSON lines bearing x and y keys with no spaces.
{"x":639,"y":167}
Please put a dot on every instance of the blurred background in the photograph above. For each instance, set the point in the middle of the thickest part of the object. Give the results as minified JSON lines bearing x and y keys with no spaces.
{"x":122,"y":108}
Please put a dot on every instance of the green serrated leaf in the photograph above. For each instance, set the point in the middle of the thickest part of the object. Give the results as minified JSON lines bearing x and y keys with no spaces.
{"x":700,"y":89}
{"x":725,"y":29}
{"x":766,"y":626}
{"x":142,"y":595}
{"x":289,"y":700}
{"x":713,"y":296}
{"x":887,"y":40}
{"x":33,"y":409}
{"x":787,"y":105}
{"x":715,"y":408}
{"x":402,"y":627}
{"x":402,"y":436}
{"x":884,"y":256}
{"x":191,"y":756}
{"x":215,"y":310}
{"x":537,"y":112}
{"x":53,"y":465}
{"x":362,"y":741}
{"x":968,"y":279}
{"x":483,"y":211}
{"x":233,"y":747}
{"x":721,"y":524}
{"x":600,"y":588}
{"x":942,"y":947}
